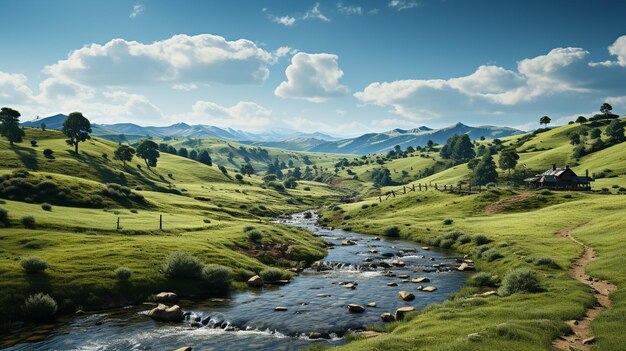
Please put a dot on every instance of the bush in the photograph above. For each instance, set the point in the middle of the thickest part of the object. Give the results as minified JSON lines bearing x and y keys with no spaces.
{"x":392,"y":231}
{"x":308,"y":215}
{"x":448,"y":221}
{"x":446,"y":243}
{"x":519,"y":281}
{"x":123,"y":274}
{"x":254,"y":235}
{"x":272,"y":274}
{"x":182,"y":265}
{"x":217,"y":277}
{"x":364,"y":206}
{"x":34,"y":265}
{"x":239,"y":177}
{"x":276,"y":186}
{"x":491,"y":255}
{"x":546,"y":261}
{"x":46,"y":206}
{"x":480,"y":239}
{"x":48,"y":153}
{"x":39,"y":307}
{"x":483,"y":279}
{"x":4,"y":217}
{"x":464,"y":239}
{"x":28,"y":222}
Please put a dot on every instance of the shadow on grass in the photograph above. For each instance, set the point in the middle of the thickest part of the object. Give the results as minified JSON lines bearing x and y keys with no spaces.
{"x":27,"y":156}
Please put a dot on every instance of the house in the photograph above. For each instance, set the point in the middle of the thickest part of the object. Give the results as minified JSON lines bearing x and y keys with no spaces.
{"x":560,"y":178}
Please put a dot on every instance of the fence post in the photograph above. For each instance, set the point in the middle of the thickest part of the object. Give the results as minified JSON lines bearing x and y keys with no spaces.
{"x":380,"y":199}
{"x":404,"y":187}
{"x":393,"y":193}
{"x":436,"y":187}
{"x":413,"y":187}
{"x":161,"y":222}
{"x":425,"y":187}
{"x":420,"y":186}
{"x":118,"y":223}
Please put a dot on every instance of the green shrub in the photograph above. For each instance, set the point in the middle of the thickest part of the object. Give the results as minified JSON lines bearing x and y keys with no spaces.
{"x":4,"y":217}
{"x":48,"y":153}
{"x":519,"y":281}
{"x":123,"y":274}
{"x":448,"y":221}
{"x":392,"y":231}
{"x":182,"y":265}
{"x":480,"y":250}
{"x":480,"y":239}
{"x":39,"y":307}
{"x":217,"y":277}
{"x":464,"y":239}
{"x":545,"y":192}
{"x":483,"y":279}
{"x":46,"y":206}
{"x":364,"y":206}
{"x":452,"y":235}
{"x":272,"y":274}
{"x":33,"y":265}
{"x":254,"y":235}
{"x":276,"y":186}
{"x":446,"y":243}
{"x":546,"y":261}
{"x":491,"y":255}
{"x":28,"y":222}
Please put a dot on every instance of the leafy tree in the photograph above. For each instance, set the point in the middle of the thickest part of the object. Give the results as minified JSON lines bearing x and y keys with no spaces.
{"x":581,"y":119}
{"x":508,"y":160}
{"x":239,"y":177}
{"x":149,"y":151}
{"x":595,"y":133}
{"x":290,"y":183}
{"x":163,"y":147}
{"x":205,"y":158}
{"x":193,"y":154}
{"x":458,"y":148}
{"x":297,"y":173}
{"x":545,"y":120}
{"x":615,"y":132}
{"x":430,"y":144}
{"x":183,"y":152}
{"x":381,"y":177}
{"x":124,"y":153}
{"x":473,"y":163}
{"x":10,"y":125}
{"x":485,"y":171}
{"x":579,"y":151}
{"x":77,"y":128}
{"x":247,"y":169}
{"x":574,"y":139}
{"x":223,"y":170}
{"x":606,"y":109}
{"x":43,"y":126}
{"x":171,"y":150}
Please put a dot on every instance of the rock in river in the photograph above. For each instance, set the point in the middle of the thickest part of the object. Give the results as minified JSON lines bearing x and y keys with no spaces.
{"x":387,"y":317}
{"x":255,"y":282}
{"x":166,"y":297}
{"x":429,"y":289}
{"x":465,"y":267}
{"x":420,"y":280}
{"x":163,"y":313}
{"x":402,"y":311}
{"x":356,"y":308}
{"x":280,"y":309}
{"x":406,"y":296}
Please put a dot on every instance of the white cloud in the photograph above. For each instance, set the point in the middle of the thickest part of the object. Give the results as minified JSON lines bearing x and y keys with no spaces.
{"x":619,"y":49}
{"x":349,"y":9}
{"x":13,"y":88}
{"x":563,"y":79}
{"x":244,"y":114}
{"x":401,"y":5}
{"x":316,"y":13}
{"x":181,"y":59}
{"x":137,"y":10}
{"x":285,"y":20}
{"x":312,"y":77}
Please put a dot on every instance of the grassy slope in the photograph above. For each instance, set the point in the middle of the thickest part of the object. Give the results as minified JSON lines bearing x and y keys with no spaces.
{"x":518,"y":322}
{"x":83,"y":248}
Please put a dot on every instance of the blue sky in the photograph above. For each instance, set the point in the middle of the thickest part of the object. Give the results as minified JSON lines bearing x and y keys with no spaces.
{"x":338,"y":67}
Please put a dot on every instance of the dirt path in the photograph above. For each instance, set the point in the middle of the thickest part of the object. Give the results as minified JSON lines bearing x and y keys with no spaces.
{"x":582,"y":336}
{"x":502,"y":205}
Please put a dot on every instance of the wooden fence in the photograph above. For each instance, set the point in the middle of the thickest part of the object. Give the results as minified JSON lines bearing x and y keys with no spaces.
{"x":457,"y":189}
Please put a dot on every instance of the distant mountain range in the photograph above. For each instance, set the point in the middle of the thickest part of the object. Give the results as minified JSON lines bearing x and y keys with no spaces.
{"x":369,"y":143}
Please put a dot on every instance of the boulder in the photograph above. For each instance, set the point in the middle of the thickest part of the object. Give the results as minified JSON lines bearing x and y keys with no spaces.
{"x":315,"y":335}
{"x":356,"y":308}
{"x":185,"y":348}
{"x":255,"y":282}
{"x":347,"y":242}
{"x":280,"y":309}
{"x":392,"y":284}
{"x":317,"y":265}
{"x":429,"y":289}
{"x":474,"y":337}
{"x":166,"y":297}
{"x":465,"y":267}
{"x":420,"y":280}
{"x":162,"y":313}
{"x":371,"y":304}
{"x":387,"y":317}
{"x":425,"y":248}
{"x":398,"y":263}
{"x":406,"y":296}
{"x":349,"y":286}
{"x":403,"y":276}
{"x":402,"y":311}
{"x":589,"y":340}
{"x":370,"y":334}
{"x":376,"y":238}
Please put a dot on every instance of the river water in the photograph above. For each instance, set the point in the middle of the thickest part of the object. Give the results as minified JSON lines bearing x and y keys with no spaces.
{"x":315,"y":301}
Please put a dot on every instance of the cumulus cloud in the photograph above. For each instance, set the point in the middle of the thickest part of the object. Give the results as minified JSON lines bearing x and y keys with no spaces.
{"x":181,"y":59}
{"x":244,"y":114}
{"x":284,"y":20}
{"x":137,"y":10}
{"x":349,"y":9}
{"x":13,"y":88}
{"x":562,"y":79}
{"x":312,"y":77}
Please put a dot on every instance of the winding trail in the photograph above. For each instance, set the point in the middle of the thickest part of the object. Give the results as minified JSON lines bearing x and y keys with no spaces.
{"x":582,"y":337}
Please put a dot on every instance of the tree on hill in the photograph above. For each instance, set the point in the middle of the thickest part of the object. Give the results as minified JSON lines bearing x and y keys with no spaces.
{"x":605,"y":113}
{"x":595,"y":133}
{"x":205,"y":158}
{"x":247,"y":169}
{"x":124,"y":153}
{"x":615,"y":132}
{"x":485,"y":171}
{"x":606,"y":108}
{"x":545,"y":120}
{"x":574,"y":139}
{"x":297,"y":173}
{"x":77,"y":128}
{"x":183,"y":152}
{"x":149,"y":151}
{"x":193,"y":154}
{"x":10,"y":125}
{"x":458,"y":148}
{"x":581,"y":119}
{"x":171,"y":150}
{"x":508,"y":160}
{"x":381,"y":177}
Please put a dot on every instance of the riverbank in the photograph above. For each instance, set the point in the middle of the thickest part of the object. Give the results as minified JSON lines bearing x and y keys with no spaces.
{"x":313,"y":307}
